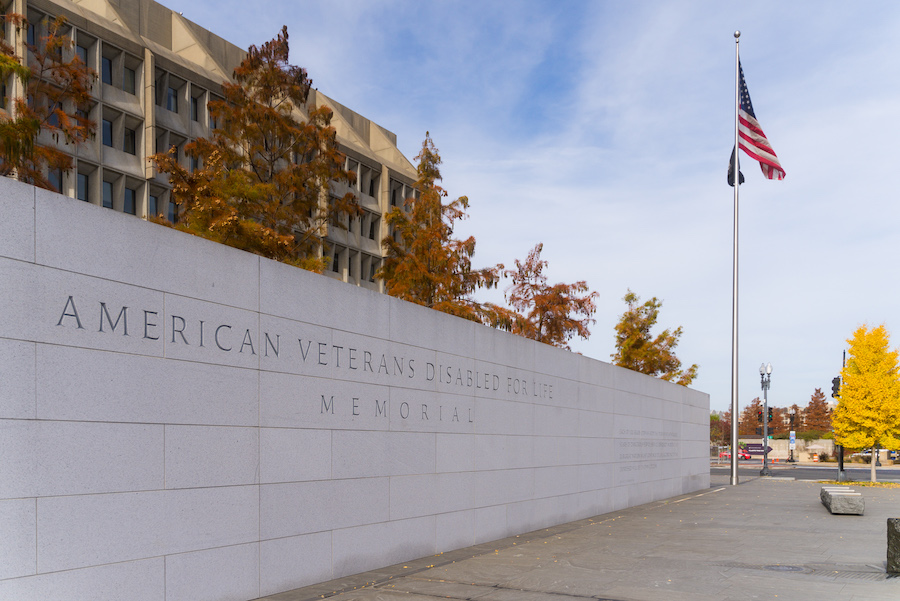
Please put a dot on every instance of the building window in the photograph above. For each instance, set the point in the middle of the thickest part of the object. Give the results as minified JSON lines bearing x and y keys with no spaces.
{"x":30,"y":35}
{"x":81,"y":53}
{"x":129,"y":141}
{"x":195,"y":109}
{"x":129,"y":201}
{"x":153,"y":203}
{"x":195,"y":163}
{"x":107,"y":195}
{"x":55,"y":179}
{"x":128,"y":80}
{"x":83,"y":189}
{"x":106,"y":70}
{"x":107,"y":133}
{"x":173,"y":212}
{"x":373,"y":227}
{"x":172,"y":100}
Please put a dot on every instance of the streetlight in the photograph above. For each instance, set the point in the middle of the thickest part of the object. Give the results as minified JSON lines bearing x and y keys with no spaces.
{"x":765,"y":377}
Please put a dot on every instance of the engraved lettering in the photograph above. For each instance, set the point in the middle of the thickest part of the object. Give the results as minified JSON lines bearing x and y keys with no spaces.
{"x":424,"y":411}
{"x":269,"y":344}
{"x":201,"y":332}
{"x":429,"y":372}
{"x":337,"y":355}
{"x":74,"y":313}
{"x":327,"y":405}
{"x":367,"y":361}
{"x":248,"y":341}
{"x":398,"y":366}
{"x":355,"y":406}
{"x":304,"y":352}
{"x":123,"y":315}
{"x":380,"y":408}
{"x":383,"y":366}
{"x":352,"y":357}
{"x":404,"y":407}
{"x":177,"y":330}
{"x":322,"y":353}
{"x":455,"y":414}
{"x":219,"y":344}
{"x":148,"y":325}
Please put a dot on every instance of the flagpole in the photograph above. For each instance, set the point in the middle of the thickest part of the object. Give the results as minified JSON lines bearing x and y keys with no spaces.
{"x":734,"y":291}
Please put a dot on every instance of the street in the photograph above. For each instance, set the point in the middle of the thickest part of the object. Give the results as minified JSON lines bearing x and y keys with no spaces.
{"x":805,"y":471}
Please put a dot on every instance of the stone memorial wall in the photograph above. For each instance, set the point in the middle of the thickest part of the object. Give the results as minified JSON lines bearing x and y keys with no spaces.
{"x":180,"y":420}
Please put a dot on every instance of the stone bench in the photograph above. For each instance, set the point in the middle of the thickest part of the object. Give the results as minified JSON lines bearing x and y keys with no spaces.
{"x":839,"y":499}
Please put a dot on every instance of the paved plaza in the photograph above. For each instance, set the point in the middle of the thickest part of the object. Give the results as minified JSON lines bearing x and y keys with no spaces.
{"x":768,"y":538}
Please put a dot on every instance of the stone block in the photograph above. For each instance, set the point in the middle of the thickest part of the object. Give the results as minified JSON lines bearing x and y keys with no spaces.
{"x":893,"y":546}
{"x":293,"y":293}
{"x":66,"y":237}
{"x":49,"y":458}
{"x":455,"y":452}
{"x":293,"y":562}
{"x":86,"y":530}
{"x":17,"y":396}
{"x":367,"y":547}
{"x":843,"y":502}
{"x":454,"y":530}
{"x":221,"y":574}
{"x":357,"y":454}
{"x":49,"y":305}
{"x":429,"y":494}
{"x":205,"y":456}
{"x":294,"y":455}
{"x":18,"y":546}
{"x":307,"y":507}
{"x":87,"y":385}
{"x":490,"y":523}
{"x":132,"y":580}
{"x":17,"y":208}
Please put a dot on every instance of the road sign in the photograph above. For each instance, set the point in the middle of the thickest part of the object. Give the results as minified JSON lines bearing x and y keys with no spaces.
{"x":757,"y":448}
{"x":793,"y":444}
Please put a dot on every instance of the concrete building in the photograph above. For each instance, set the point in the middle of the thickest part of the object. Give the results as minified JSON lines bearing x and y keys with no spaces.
{"x":157,"y":72}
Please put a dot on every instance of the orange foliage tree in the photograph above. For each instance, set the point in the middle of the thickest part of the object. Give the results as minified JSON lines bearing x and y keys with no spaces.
{"x":53,"y":112}
{"x":817,"y":415}
{"x":543,"y":312}
{"x":638,"y":350}
{"x":425,"y":264}
{"x":264,"y":174}
{"x":750,"y":418}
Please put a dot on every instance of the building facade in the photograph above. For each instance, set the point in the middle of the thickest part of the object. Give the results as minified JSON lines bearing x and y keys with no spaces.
{"x":157,"y":71}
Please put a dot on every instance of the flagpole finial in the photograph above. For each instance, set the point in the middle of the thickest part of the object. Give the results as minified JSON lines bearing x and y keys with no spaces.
{"x":737,"y":34}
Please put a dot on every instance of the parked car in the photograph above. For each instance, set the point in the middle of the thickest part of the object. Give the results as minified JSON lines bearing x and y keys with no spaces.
{"x":741,"y":455}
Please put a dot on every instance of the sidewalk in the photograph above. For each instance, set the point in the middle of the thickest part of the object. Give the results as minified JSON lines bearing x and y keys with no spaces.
{"x":765,"y":539}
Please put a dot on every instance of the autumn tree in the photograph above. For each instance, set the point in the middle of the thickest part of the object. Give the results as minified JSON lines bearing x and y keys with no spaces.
{"x":264,"y":174}
{"x":868,"y":412}
{"x":817,"y":415}
{"x":750,"y":418}
{"x":425,"y":264}
{"x":638,"y":350}
{"x":50,"y":113}
{"x":720,"y":427}
{"x":552,"y":314}
{"x":780,"y":424}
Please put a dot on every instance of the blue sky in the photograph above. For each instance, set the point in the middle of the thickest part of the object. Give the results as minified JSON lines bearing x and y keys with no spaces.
{"x":603,"y":130}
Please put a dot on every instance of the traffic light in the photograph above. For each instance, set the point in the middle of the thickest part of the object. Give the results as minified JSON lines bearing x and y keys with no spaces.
{"x":759,"y":416}
{"x":759,"y":430}
{"x":836,"y":387}
{"x":770,"y":415}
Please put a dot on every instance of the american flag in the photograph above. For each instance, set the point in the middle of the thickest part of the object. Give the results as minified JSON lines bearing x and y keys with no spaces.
{"x":752,"y":139}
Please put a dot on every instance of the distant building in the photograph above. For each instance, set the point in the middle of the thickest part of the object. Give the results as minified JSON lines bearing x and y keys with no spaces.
{"x":157,"y":72}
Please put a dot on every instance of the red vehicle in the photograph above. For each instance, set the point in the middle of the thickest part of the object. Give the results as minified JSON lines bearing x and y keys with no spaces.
{"x":741,"y":455}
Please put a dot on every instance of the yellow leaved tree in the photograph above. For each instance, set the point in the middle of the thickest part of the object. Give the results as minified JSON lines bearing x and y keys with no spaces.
{"x":868,"y":413}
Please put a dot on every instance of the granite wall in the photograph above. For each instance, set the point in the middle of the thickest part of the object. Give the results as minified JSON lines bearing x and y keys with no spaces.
{"x":180,"y":420}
